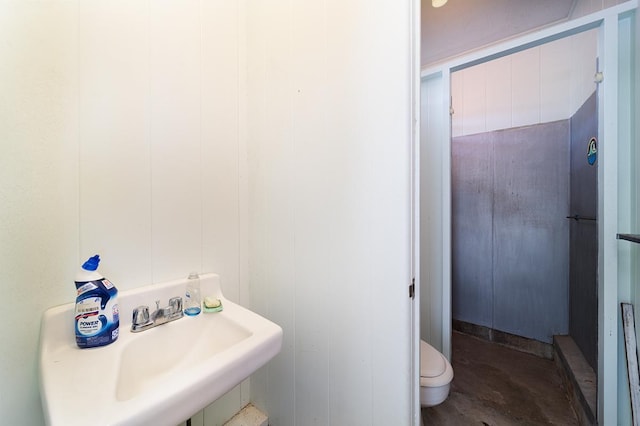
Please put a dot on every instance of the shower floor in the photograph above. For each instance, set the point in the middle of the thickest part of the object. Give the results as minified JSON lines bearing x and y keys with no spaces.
{"x":494,"y":385}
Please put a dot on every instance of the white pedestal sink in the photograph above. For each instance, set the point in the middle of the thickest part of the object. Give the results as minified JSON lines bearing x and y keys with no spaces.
{"x":159,"y":376}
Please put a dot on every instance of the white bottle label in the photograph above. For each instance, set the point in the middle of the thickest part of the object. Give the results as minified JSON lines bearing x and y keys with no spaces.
{"x":86,"y":287}
{"x":97,"y":316}
{"x":88,"y":306}
{"x":88,"y":326}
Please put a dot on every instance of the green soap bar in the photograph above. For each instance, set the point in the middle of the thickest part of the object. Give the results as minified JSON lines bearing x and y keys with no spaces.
{"x":212,"y":302}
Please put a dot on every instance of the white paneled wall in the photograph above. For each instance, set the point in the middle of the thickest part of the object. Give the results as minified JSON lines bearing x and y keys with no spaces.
{"x":38,"y":187}
{"x":329,"y":141}
{"x":558,"y":75}
{"x":525,"y":88}
{"x":160,"y":150}
{"x":473,"y":89}
{"x":115,"y":146}
{"x":538,"y":85}
{"x":175,"y":135}
{"x":224,"y":155}
{"x":500,"y":114}
{"x":120,"y":135}
{"x":432,"y":125}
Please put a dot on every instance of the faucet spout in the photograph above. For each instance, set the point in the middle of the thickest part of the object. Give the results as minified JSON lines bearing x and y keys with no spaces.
{"x":143,"y":321}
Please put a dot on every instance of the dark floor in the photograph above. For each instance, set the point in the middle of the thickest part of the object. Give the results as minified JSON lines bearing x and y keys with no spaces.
{"x":494,"y":385}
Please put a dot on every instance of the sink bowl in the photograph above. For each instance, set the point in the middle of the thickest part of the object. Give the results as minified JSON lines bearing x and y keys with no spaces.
{"x":159,"y":376}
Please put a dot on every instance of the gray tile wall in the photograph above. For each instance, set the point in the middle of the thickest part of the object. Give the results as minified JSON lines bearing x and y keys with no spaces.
{"x":583,"y":266}
{"x":510,"y":235}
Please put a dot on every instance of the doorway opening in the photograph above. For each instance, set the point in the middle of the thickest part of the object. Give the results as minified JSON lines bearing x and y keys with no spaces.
{"x":615,"y":48}
{"x":524,"y":201}
{"x":435,"y":184}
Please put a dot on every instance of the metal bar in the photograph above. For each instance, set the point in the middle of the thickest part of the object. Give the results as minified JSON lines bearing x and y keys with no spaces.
{"x":629,"y":237}
{"x":578,"y":218}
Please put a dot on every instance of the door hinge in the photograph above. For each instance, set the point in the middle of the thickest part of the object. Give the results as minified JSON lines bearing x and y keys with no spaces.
{"x":412,"y":288}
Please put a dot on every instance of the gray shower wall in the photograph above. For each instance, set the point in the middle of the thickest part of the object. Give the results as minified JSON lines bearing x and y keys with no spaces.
{"x":509,"y":232}
{"x":583,"y":235}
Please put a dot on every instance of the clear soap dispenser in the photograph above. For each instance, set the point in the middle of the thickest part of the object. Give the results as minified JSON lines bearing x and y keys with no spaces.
{"x":193,"y":300}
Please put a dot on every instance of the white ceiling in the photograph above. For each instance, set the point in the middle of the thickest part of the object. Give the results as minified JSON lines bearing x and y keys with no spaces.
{"x":463,"y":25}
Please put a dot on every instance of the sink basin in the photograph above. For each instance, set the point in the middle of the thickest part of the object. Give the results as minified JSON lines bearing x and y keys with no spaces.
{"x":159,"y":376}
{"x":191,"y":343}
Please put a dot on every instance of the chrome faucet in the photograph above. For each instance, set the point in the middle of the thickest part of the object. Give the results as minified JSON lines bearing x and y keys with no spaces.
{"x":142,"y":320}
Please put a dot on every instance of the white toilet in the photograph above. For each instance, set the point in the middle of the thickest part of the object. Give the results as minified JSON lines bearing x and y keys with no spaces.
{"x":435,"y":376}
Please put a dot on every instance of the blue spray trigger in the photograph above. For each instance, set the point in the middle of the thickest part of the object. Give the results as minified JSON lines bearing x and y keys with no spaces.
{"x":92,"y":263}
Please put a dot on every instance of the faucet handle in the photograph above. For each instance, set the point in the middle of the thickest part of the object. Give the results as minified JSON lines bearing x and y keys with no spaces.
{"x":175,"y":303}
{"x":140,"y":316}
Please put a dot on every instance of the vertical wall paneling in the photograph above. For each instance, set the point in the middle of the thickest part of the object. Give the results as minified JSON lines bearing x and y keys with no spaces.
{"x":583,"y":54}
{"x":259,"y":300}
{"x":555,"y":79}
{"x":175,"y":133}
{"x":39,"y":186}
{"x":376,"y":216}
{"x":115,"y":189}
{"x":539,"y":85}
{"x":432,"y":99}
{"x":329,"y":191}
{"x":271,"y":218}
{"x":457,"y":104}
{"x":497,"y":101}
{"x":525,"y":77}
{"x":221,"y":157}
{"x":314,"y":232}
{"x":132,"y":121}
{"x":474,"y":81}
{"x":221,"y":160}
{"x":243,"y":159}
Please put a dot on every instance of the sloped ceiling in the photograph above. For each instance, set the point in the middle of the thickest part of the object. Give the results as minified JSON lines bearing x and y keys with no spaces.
{"x":463,"y":25}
